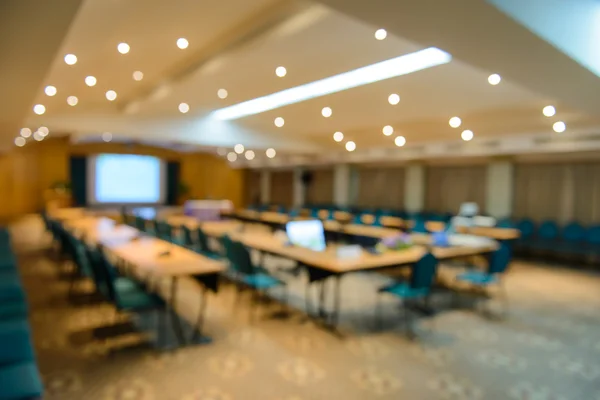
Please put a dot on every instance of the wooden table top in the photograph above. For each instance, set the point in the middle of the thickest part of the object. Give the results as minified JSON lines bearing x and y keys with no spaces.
{"x":145,"y":254}
{"x":66,"y":213}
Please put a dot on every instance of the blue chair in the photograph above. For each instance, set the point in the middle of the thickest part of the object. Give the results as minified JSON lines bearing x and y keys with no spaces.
{"x":526,"y":228}
{"x":253,"y":276}
{"x":505,"y":223}
{"x":571,"y":242}
{"x":546,"y":238}
{"x":417,"y":288}
{"x":11,"y":289}
{"x":498,"y":264}
{"x":357,"y":220}
{"x":20,"y":381}
{"x":15,"y":342}
{"x":592,"y":241}
{"x":203,"y":247}
{"x":419,"y":226}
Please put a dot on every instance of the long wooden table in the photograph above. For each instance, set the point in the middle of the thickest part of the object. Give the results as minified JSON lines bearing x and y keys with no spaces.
{"x":150,"y":256}
{"x":322,"y":265}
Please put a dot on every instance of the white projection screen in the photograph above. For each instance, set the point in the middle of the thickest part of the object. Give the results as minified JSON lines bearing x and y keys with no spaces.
{"x":126,"y":179}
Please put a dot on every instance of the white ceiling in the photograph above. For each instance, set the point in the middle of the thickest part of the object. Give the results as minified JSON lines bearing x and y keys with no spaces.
{"x":236,"y":45}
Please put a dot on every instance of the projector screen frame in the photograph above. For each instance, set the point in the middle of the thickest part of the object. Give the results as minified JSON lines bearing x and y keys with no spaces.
{"x":91,"y":162}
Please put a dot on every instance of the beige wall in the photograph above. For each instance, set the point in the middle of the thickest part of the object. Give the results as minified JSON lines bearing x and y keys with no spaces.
{"x":25,"y":173}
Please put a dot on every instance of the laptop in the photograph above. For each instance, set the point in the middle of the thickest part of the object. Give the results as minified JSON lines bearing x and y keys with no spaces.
{"x":309,"y":234}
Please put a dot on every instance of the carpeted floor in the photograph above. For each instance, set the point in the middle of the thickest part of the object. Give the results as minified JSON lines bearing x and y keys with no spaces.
{"x":547,"y":349}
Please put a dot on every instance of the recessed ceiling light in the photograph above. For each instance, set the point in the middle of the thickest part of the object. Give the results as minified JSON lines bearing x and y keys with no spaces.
{"x":350,"y":146}
{"x":271,"y":153}
{"x":90,"y":80}
{"x":388,"y":130}
{"x":231,"y":157}
{"x":222,"y":93}
{"x":182,"y":43}
{"x":279,"y":122}
{"x":280,"y":71}
{"x":249,"y":155}
{"x":394,"y":99}
{"x":398,"y":66}
{"x":338,"y":136}
{"x":39,"y":109}
{"x":37,"y":135}
{"x":221,"y":151}
{"x":326,"y":112}
{"x":380,"y":34}
{"x":494,"y":79}
{"x":71,"y":59}
{"x":123,"y":48}
{"x":549,"y":111}
{"x":72,"y":101}
{"x":400,"y":141}
{"x":25,"y":132}
{"x":44,"y":130}
{"x":50,"y":91}
{"x":467,"y":135}
{"x":20,"y":141}
{"x":138,"y":76}
{"x":111,"y":95}
{"x":107,"y":136}
{"x":184,"y":107}
{"x":559,"y":127}
{"x":238,"y":148}
{"x":455,"y":122}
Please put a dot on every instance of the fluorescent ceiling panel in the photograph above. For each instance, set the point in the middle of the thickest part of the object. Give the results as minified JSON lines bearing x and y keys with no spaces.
{"x":392,"y":68}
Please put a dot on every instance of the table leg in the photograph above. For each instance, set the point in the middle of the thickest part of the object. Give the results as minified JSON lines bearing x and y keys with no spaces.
{"x":197,"y":336}
{"x":175,"y":322}
{"x":335,"y":315}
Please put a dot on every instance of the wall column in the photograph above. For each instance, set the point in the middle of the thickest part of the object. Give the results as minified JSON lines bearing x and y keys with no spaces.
{"x":299,"y":189}
{"x":499,"y":188}
{"x":414,"y":188}
{"x":265,"y":186}
{"x":341,"y":185}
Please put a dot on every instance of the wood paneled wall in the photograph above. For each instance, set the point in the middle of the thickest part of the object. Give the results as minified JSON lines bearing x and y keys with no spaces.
{"x":320,"y":190}
{"x":251,"y":186}
{"x":381,"y":187}
{"x":449,"y":186}
{"x":282,"y":188}
{"x":25,"y":173}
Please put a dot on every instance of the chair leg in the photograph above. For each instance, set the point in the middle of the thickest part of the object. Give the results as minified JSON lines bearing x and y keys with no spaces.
{"x":407,"y":322}
{"x":378,"y":318}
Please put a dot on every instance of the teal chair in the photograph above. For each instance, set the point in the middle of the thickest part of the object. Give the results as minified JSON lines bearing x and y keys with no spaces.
{"x":419,"y":226}
{"x":571,"y":241}
{"x":497,"y":266}
{"x":15,"y":342}
{"x":203,"y":247}
{"x":253,"y":276}
{"x":417,"y":288}
{"x":11,"y":289}
{"x":20,"y":381}
{"x":164,"y":231}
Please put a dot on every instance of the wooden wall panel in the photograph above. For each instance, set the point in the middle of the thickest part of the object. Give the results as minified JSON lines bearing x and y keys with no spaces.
{"x":282,"y":188}
{"x":449,"y":186}
{"x":320,"y":190}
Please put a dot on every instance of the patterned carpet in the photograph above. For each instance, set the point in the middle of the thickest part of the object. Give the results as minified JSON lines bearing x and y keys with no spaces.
{"x":547,"y":349}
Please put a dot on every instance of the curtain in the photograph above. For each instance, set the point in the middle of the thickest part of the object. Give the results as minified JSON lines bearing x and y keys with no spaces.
{"x":559,"y":192}
{"x":320,"y":190}
{"x":448,"y":187}
{"x":381,"y":187}
{"x":173,"y":174}
{"x":78,"y":173}
{"x":282,"y":188}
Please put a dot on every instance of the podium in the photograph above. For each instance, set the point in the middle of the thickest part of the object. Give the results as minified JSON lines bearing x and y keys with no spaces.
{"x":207,"y":210}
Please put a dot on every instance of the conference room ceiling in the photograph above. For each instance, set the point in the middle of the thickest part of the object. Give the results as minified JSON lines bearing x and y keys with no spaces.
{"x":237,"y":45}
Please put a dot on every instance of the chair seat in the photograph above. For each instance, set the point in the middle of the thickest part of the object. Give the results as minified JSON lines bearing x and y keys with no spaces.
{"x":10,"y":287}
{"x":20,"y":381}
{"x":138,"y":300}
{"x":13,"y":309}
{"x":15,"y":341}
{"x":477,"y":278}
{"x":404,"y":291}
{"x":261,"y":281}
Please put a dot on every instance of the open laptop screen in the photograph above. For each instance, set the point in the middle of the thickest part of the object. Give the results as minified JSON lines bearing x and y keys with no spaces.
{"x":309,"y":234}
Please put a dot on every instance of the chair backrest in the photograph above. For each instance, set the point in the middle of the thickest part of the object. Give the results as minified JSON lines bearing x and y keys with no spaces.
{"x":548,"y":230}
{"x":419,"y":226}
{"x":357,"y":219}
{"x":229,"y":251}
{"x":500,"y":259}
{"x":592,"y":235}
{"x":109,"y":273}
{"x":203,"y":239}
{"x":423,"y":272}
{"x":573,"y":232}
{"x":187,"y":235}
{"x":505,"y":223}
{"x":164,"y":231}
{"x":243,"y":260}
{"x":526,"y":227}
